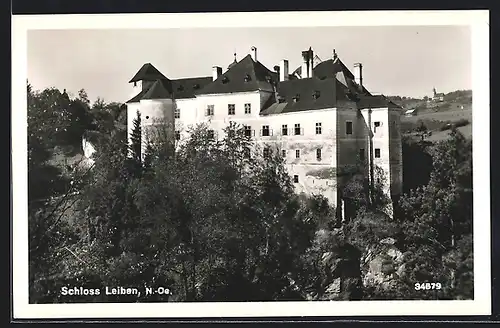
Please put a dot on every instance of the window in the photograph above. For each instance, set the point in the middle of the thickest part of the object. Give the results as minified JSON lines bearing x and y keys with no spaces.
{"x":284,"y":130}
{"x":377,"y":152}
{"x":231,"y":109}
{"x":376,"y":125}
{"x":177,"y":135}
{"x":210,"y":110}
{"x":248,"y":108}
{"x":295,"y":179}
{"x":211,"y":134}
{"x":318,"y":154}
{"x":297,"y":129}
{"x":318,"y":128}
{"x":297,"y":153}
{"x":265,"y":131}
{"x":248,"y":131}
{"x":348,"y":127}
{"x":266,"y":152}
{"x":283,"y":153}
{"x":177,"y":113}
{"x":362,"y":154}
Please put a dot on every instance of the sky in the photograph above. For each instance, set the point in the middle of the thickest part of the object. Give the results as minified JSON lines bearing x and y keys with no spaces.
{"x":397,"y":60}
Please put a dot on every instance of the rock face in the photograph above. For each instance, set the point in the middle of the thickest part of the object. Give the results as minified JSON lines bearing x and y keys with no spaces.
{"x":383,"y":265}
{"x":342,"y":274}
{"x":340,"y":266}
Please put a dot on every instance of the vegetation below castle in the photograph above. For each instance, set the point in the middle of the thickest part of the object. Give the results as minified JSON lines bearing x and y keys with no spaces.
{"x":212,"y":224}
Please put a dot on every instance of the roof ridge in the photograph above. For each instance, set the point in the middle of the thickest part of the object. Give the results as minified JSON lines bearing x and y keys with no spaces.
{"x":147,"y":72}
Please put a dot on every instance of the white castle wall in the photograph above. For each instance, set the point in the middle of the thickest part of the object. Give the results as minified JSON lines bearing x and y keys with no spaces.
{"x":338,"y":149}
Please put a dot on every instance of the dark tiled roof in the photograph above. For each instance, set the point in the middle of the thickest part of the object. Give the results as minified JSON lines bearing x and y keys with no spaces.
{"x":330,"y":68}
{"x":331,"y":85}
{"x":180,"y":88}
{"x":137,"y":98}
{"x":306,"y":94}
{"x":148,"y":73}
{"x":378,"y":101}
{"x":246,"y":75}
{"x":161,"y":89}
{"x":187,"y":88}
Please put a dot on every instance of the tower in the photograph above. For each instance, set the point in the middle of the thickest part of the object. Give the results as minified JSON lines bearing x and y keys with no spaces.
{"x":155,"y":101}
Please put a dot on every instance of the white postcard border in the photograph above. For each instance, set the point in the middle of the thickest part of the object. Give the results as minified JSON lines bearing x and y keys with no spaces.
{"x":478,"y":20}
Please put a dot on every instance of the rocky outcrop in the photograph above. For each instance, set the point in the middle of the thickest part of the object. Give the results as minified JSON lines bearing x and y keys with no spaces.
{"x":383,"y":265}
{"x":342,"y":274}
{"x":345,"y":272}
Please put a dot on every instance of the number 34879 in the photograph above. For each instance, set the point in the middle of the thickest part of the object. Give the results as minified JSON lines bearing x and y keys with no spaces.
{"x":428,"y":286}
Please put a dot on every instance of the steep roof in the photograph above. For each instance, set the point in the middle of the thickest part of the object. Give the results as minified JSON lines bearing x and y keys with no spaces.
{"x":244,"y":76}
{"x":147,"y":73}
{"x":378,"y":101}
{"x":188,"y":87}
{"x":179,"y":89}
{"x":160,"y":89}
{"x":331,"y":84}
{"x":330,"y":68}
{"x":137,"y":97}
{"x":306,"y":94}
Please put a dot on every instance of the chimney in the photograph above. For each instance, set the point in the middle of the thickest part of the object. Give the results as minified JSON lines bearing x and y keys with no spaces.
{"x":284,"y":70}
{"x":311,"y":63}
{"x":358,"y":74}
{"x":216,"y":72}
{"x":305,"y":65}
{"x":254,"y":54}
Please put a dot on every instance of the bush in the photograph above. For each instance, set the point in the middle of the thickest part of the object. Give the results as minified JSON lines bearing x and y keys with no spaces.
{"x":449,"y":125}
{"x":461,"y":122}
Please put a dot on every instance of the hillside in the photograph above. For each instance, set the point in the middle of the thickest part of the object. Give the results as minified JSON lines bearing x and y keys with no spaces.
{"x":433,"y":119}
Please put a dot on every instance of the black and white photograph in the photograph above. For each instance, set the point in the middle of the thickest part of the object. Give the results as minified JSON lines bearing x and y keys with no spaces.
{"x":251,"y":164}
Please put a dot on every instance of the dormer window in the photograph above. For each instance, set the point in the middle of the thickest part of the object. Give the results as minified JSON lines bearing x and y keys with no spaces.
{"x":247,"y":78}
{"x":315,"y":94}
{"x":296,"y":98}
{"x":225,"y":79}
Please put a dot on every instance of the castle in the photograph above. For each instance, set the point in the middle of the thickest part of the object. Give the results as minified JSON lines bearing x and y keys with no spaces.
{"x":321,"y":115}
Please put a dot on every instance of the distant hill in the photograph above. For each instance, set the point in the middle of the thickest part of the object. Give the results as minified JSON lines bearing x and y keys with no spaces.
{"x":451,"y":101}
{"x":435,"y":117}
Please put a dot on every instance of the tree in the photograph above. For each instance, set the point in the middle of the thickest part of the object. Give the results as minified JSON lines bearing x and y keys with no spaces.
{"x":136,"y":139}
{"x":437,"y":216}
{"x":51,"y":192}
{"x":417,"y":163}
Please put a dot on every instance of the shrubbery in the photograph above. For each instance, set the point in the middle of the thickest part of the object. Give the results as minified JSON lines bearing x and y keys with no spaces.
{"x":423,"y":125}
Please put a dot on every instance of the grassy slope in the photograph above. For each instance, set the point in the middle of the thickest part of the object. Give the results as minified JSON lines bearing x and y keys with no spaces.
{"x":451,"y":111}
